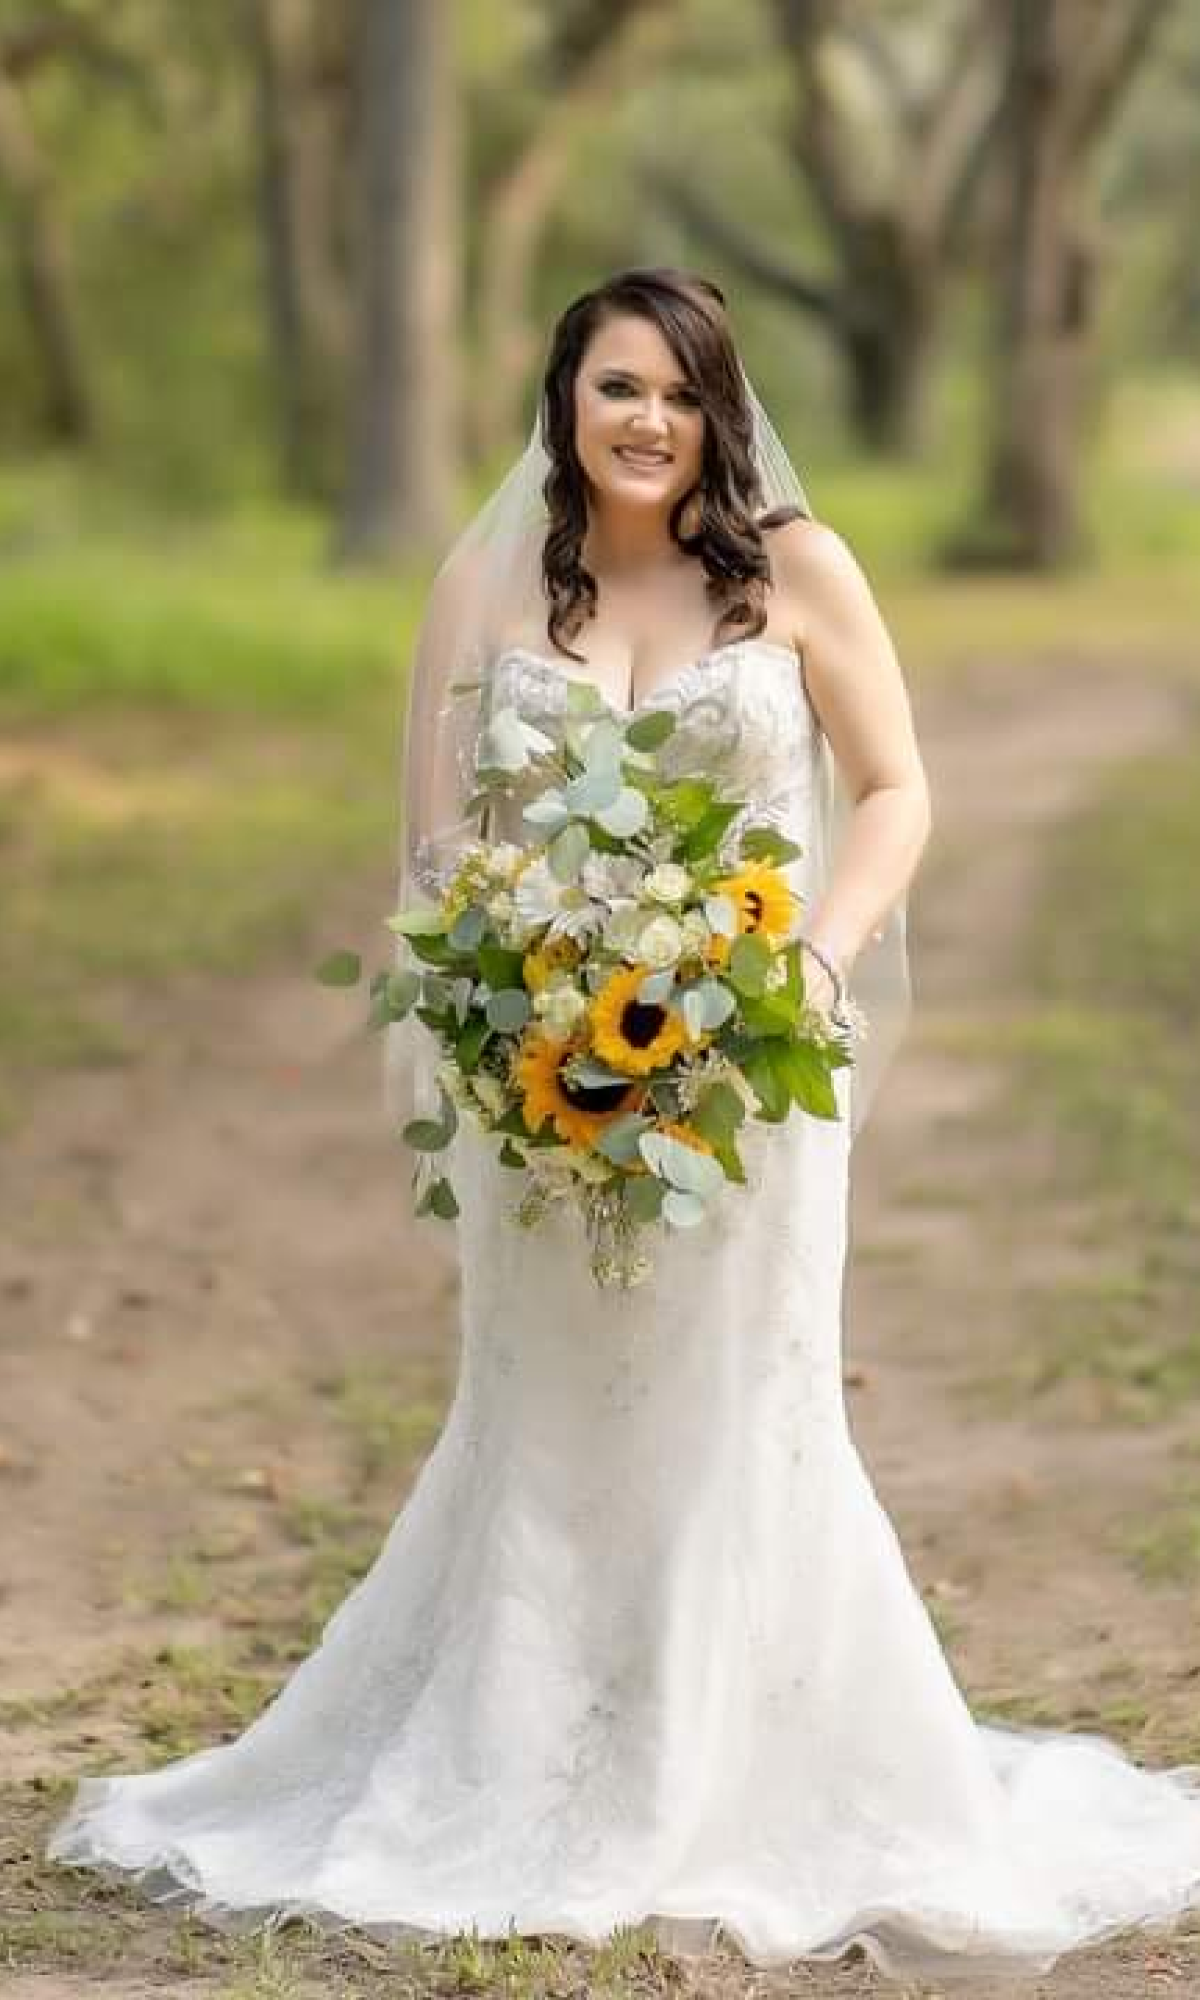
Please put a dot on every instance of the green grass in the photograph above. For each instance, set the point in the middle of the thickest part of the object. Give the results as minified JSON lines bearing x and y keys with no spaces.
{"x":1112,"y":1066}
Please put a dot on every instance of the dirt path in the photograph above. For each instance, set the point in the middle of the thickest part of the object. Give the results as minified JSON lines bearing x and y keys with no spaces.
{"x":211,"y":1309}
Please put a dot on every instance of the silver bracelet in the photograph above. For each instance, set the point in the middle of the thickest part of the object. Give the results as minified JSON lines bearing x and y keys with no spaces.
{"x":835,"y":973}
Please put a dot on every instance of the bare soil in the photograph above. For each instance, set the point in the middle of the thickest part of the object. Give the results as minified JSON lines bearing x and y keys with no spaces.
{"x":212,"y":1305}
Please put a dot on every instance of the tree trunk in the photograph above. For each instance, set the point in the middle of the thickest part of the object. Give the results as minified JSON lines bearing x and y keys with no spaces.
{"x":1030,"y":509}
{"x":299,"y":185}
{"x":43,"y":273}
{"x":403,"y":430}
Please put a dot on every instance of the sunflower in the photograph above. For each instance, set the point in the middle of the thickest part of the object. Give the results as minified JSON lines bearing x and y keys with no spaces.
{"x":579,"y":1115}
{"x":634,"y":1035}
{"x":557,"y":954}
{"x":763,"y":899}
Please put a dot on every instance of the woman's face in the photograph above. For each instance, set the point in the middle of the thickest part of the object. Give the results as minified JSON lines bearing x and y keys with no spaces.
{"x":639,"y":428}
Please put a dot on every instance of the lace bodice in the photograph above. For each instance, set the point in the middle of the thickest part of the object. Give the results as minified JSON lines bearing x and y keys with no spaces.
{"x":742,"y":712}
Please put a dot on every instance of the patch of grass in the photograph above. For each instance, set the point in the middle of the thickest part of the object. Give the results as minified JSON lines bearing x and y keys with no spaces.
{"x":1111,"y":1066}
{"x":131,"y":856}
{"x":1166,"y":1549}
{"x":390,"y":1420}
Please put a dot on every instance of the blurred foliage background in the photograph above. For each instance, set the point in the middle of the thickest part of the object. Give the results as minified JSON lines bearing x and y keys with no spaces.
{"x":276,"y":278}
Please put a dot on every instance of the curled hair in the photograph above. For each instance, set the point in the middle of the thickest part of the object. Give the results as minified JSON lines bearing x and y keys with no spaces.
{"x":689,"y":312}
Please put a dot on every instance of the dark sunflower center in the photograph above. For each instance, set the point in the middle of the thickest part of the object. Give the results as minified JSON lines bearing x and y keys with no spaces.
{"x":640,"y":1023}
{"x":754,"y":905}
{"x":594,"y":1096}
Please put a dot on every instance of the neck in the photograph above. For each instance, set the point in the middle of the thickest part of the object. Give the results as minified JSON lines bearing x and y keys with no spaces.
{"x":624,"y":540}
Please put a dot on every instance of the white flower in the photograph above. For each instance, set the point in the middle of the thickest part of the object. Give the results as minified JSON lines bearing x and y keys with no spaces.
{"x":500,"y":906}
{"x":559,"y":1008}
{"x":537,"y":894}
{"x":668,"y":883}
{"x":490,"y":1092}
{"x":695,"y":929}
{"x":660,"y":942}
{"x":503,"y":859}
{"x":610,"y":877}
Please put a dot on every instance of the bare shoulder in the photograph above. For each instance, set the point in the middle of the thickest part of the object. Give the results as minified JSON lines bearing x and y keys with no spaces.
{"x":811,"y":556}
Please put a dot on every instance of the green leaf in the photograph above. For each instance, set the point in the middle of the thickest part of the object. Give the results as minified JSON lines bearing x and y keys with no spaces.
{"x":434,"y":949}
{"x":750,"y":960}
{"x":706,"y":834}
{"x":508,"y":1010}
{"x":774,"y":1096}
{"x":510,"y":1155}
{"x":339,"y":968}
{"x":721,"y":915}
{"x":684,"y":804}
{"x":656,"y":988}
{"x":442,"y":1199}
{"x":766,"y":843}
{"x":644,"y":1197}
{"x":719,"y":1113}
{"x":475,"y":1036}
{"x":805,"y":1074}
{"x":499,"y":965}
{"x":651,"y":730}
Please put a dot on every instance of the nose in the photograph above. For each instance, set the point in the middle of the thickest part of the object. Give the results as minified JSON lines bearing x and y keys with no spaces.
{"x":650,"y":414}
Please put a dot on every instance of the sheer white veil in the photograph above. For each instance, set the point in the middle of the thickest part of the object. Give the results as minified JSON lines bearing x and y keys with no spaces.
{"x":488,"y":594}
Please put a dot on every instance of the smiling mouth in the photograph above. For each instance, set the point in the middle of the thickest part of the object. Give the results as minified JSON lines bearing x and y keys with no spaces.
{"x":633,"y":456}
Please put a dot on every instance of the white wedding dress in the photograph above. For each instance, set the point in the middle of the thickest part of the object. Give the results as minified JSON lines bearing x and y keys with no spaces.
{"x":642,"y":1645}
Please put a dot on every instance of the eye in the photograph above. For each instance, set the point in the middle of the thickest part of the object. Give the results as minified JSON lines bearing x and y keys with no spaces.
{"x":614,"y":388}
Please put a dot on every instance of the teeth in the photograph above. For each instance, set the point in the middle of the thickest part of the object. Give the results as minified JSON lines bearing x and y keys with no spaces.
{"x":644,"y":457}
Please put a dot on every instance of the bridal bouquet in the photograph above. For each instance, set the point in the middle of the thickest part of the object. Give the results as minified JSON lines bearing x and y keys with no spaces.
{"x":616,"y":994}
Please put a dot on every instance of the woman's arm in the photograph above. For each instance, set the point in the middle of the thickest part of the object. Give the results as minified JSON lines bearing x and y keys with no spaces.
{"x":856,"y":685}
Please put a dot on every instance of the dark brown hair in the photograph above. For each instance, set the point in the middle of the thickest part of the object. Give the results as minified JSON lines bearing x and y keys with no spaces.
{"x":689,"y":312}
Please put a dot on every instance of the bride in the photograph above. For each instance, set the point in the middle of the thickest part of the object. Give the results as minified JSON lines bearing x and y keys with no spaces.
{"x":642,"y":1647}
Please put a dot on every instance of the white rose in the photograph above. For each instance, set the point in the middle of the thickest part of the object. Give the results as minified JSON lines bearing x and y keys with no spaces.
{"x":668,"y":883}
{"x":660,"y":942}
{"x":621,"y":930}
{"x":500,"y":907}
{"x":694,"y":926}
{"x":559,"y":1008}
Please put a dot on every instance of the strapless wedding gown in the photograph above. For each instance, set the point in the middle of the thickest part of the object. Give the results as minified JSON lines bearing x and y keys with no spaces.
{"x":642,"y":1645}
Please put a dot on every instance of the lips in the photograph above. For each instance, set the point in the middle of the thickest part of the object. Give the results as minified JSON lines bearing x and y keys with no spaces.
{"x":632,"y":456}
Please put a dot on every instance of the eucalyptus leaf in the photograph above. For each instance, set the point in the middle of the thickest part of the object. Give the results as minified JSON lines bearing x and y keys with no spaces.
{"x":619,"y":1141}
{"x":508,"y":1010}
{"x":568,"y":851}
{"x":548,"y":811}
{"x":684,"y":1166}
{"x":596,"y":788}
{"x":721,"y":915}
{"x":627,"y":814}
{"x":657,"y":987}
{"x":339,"y":968}
{"x":401,"y":991}
{"x":682,"y":1209}
{"x":468,"y":927}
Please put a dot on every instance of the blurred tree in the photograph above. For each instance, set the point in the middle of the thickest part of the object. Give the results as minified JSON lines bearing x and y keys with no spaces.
{"x":301,"y":52}
{"x":403,"y":452}
{"x":591,"y":49}
{"x":890,"y":129}
{"x":1070,"y":65}
{"x":39,"y":238}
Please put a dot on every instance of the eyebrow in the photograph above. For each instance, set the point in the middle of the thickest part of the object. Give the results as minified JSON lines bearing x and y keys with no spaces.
{"x":614,"y":368}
